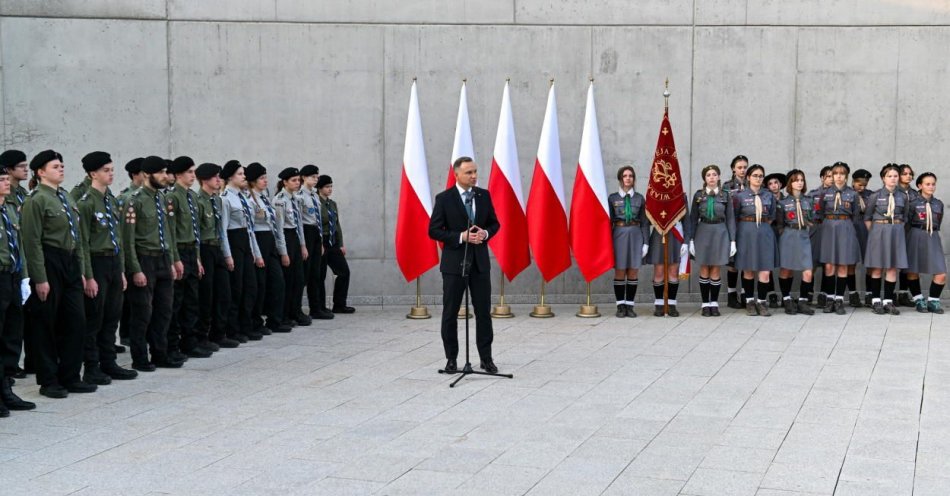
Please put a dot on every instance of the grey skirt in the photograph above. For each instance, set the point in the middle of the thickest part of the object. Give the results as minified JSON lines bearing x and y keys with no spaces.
{"x":814,"y":235}
{"x":795,"y":250}
{"x":887,"y":247}
{"x":712,"y":244}
{"x":655,"y":255}
{"x":839,"y":243}
{"x":628,"y":247}
{"x":862,"y":231}
{"x":925,"y":252}
{"x":756,"y":247}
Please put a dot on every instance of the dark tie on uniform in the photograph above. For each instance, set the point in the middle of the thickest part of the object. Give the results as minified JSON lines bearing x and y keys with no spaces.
{"x":316,"y":208}
{"x":331,"y":216}
{"x":69,"y":216}
{"x":469,"y":209}
{"x":111,"y":223}
{"x":247,"y":215}
{"x":194,"y":217}
{"x":217,"y":218}
{"x":627,"y":209}
{"x":11,"y":240}
{"x":270,"y":213}
{"x":161,"y":220}
{"x":293,"y":206}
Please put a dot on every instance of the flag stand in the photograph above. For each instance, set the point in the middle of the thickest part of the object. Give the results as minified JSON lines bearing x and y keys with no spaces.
{"x":588,"y":311}
{"x":666,"y":271}
{"x":541,"y":310}
{"x":419,"y":311}
{"x":464,"y":312}
{"x":501,"y":310}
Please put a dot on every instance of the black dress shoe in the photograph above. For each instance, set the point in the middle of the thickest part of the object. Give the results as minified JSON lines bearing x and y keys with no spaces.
{"x":209,"y":345}
{"x":733,"y":301}
{"x":166,"y":363}
{"x":657,"y":310}
{"x":630,"y":312}
{"x":4,"y":412}
{"x":303,"y":320}
{"x":81,"y":387}
{"x":253,"y":336}
{"x":489,"y":366}
{"x":118,"y":373}
{"x":673,"y":312}
{"x":177,"y":356}
{"x":773,"y":300}
{"x":93,"y":375}
{"x":264,"y":331}
{"x":198,"y":352}
{"x":54,"y":391}
{"x":714,"y":312}
{"x":228,"y":343}
{"x":10,"y":400}
{"x":144,"y":367}
{"x":280,"y":328}
{"x":621,"y":311}
{"x":17,"y":373}
{"x":321,"y":315}
{"x":119,"y":348}
{"x":343,"y":309}
{"x":705,"y":312}
{"x":450,"y":365}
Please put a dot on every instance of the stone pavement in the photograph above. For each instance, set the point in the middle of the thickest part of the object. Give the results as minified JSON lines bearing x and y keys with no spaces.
{"x":780,"y":406}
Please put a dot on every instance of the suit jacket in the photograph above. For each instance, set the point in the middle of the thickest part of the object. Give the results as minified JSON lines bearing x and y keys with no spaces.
{"x":449,"y":219}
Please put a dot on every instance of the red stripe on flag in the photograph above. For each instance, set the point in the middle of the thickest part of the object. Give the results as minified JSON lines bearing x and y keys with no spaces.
{"x":547,"y":227}
{"x":591,"y":233}
{"x":509,"y":244}
{"x":415,"y":251}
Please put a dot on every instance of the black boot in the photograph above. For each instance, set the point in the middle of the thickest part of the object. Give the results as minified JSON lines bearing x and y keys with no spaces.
{"x":903,"y":300}
{"x":773,"y":300}
{"x":854,"y":300}
{"x":790,"y":307}
{"x":11,"y":400}
{"x":733,"y":300}
{"x":117,"y":373}
{"x":657,"y":310}
{"x":804,"y":307}
{"x":92,"y":375}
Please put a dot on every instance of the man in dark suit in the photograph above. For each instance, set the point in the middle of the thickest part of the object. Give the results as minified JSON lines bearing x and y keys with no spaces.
{"x":455,"y":210}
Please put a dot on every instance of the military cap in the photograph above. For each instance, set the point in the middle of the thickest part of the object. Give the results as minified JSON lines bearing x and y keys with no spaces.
{"x":11,"y":158}
{"x":309,"y":170}
{"x":323,"y":181}
{"x":43,"y":158}
{"x":254,"y":171}
{"x":153,"y":164}
{"x":207,"y":171}
{"x":95,"y":160}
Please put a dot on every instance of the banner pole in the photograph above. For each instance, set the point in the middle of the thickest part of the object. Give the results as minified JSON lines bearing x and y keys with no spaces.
{"x":501,"y":310}
{"x":419,"y":311}
{"x":542,"y":310}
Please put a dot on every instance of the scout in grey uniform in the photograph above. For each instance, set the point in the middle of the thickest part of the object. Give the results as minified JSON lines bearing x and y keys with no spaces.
{"x":713,"y":224}
{"x":270,"y":239}
{"x":242,"y":251}
{"x":839,"y":241}
{"x":775,"y":182}
{"x":885,"y":218}
{"x":827,"y":283}
{"x":738,"y":182}
{"x":311,"y":215}
{"x":905,"y":285}
{"x":795,"y":215}
{"x":859,"y":181}
{"x":214,"y":289}
{"x":756,"y":246}
{"x":677,"y":250}
{"x":288,"y":211}
{"x":630,"y":234}
{"x":924,"y":249}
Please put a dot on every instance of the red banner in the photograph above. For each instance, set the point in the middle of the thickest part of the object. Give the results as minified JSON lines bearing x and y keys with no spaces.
{"x":665,"y":198}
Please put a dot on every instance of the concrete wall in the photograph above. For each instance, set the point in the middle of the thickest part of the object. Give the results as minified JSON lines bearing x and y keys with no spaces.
{"x":288,"y":82}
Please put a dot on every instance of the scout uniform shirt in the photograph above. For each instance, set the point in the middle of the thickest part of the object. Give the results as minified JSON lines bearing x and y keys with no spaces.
{"x":17,"y":196}
{"x":99,"y":228}
{"x":210,"y":228}
{"x":11,"y":246}
{"x":234,"y":216}
{"x":735,"y":184}
{"x":310,"y":208}
{"x":265,"y":219}
{"x":332,"y":231}
{"x":879,"y":207}
{"x":288,"y":213}
{"x":126,"y":193}
{"x":919,"y":214}
{"x":838,"y":202}
{"x":50,"y":218}
{"x":183,"y":216}
{"x":627,"y":209}
{"x":80,"y":189}
{"x":796,"y":212}
{"x":146,"y":230}
{"x":744,"y":205}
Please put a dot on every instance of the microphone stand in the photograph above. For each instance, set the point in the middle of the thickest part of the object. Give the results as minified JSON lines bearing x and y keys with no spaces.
{"x":466,"y":276}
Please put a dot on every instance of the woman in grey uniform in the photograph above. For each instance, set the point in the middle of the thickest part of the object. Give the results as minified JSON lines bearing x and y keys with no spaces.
{"x":924,"y":249}
{"x":839,"y":241}
{"x":859,"y":181}
{"x":794,"y":216}
{"x":886,"y":254}
{"x":827,"y":283}
{"x":775,"y":182}
{"x":630,"y":233}
{"x":905,"y":284}
{"x":288,"y":217}
{"x":270,"y":240}
{"x":738,"y":183}
{"x":677,"y":251}
{"x":241,"y":252}
{"x":755,"y":239}
{"x":713,"y":224}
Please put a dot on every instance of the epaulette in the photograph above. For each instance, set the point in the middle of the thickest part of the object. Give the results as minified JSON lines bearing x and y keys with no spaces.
{"x":84,"y":196}
{"x":32,"y":192}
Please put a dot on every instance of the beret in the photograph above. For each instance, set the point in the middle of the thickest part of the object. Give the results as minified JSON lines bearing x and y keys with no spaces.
{"x":207,"y":171}
{"x":288,"y":173}
{"x":95,"y":160}
{"x":11,"y":158}
{"x":861,"y":174}
{"x":323,"y":181}
{"x":43,"y":158}
{"x":134,"y":166}
{"x":229,"y":169}
{"x":153,"y":164}
{"x":254,"y":171}
{"x":776,"y":175}
{"x":708,"y":168}
{"x":181,"y":164}
{"x":309,"y":170}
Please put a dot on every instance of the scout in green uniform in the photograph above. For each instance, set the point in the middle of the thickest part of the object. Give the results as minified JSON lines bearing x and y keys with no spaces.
{"x":150,"y":258}
{"x":80,"y":189}
{"x":335,"y":250}
{"x":12,"y":278}
{"x":50,"y":230}
{"x":13,"y":163}
{"x":103,"y":270}
{"x":183,"y":220}
{"x":134,"y":169}
{"x":214,"y":289}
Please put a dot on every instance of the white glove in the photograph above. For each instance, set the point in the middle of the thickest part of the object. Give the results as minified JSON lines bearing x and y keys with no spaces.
{"x":732,"y":248}
{"x":692,"y":248}
{"x":683,"y":250}
{"x":643,"y":252}
{"x":25,"y":289}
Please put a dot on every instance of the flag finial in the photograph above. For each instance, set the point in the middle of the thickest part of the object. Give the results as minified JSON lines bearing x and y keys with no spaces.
{"x":592,"y":79}
{"x":552,"y":81}
{"x":464,"y":80}
{"x":666,"y":94}
{"x":413,"y":79}
{"x":508,"y":80}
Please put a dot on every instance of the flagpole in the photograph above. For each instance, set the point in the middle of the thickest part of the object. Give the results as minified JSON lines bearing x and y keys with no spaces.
{"x":502,"y":311}
{"x":419,"y":311}
{"x":542,"y":311}
{"x":588,"y":311}
{"x":666,"y":270}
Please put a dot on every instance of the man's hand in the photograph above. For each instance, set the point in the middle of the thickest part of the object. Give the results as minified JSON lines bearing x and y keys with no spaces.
{"x":139,"y":279}
{"x":304,"y":254}
{"x":201,"y":270}
{"x":284,"y":261}
{"x":90,"y":287}
{"x":259,"y":262}
{"x":125,"y":283}
{"x":179,"y":270}
{"x":229,"y":263}
{"x":42,"y":291}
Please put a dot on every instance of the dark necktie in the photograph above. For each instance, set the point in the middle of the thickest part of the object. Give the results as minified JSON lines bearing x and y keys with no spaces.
{"x":331,"y":215}
{"x":161,"y":220}
{"x":107,"y":201}
{"x":194,"y":217}
{"x":217,"y":218}
{"x":469,"y":209}
{"x":11,"y":240}
{"x":69,"y":216}
{"x":248,"y":218}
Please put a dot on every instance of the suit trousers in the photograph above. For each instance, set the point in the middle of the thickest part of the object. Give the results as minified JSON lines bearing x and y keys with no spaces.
{"x":243,"y":283}
{"x":11,"y":321}
{"x":334,"y":259}
{"x":293,"y":276}
{"x":270,"y":283}
{"x":214,"y":295}
{"x":311,"y":269}
{"x":453,"y":293}
{"x":104,"y":311}
{"x":59,"y":323}
{"x":181,"y":329}
{"x":151,"y":309}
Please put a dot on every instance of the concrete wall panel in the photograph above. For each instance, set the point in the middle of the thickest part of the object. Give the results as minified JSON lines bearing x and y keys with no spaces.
{"x":744,"y":97}
{"x":287,"y":95}
{"x":731,"y":12}
{"x":139,"y":9}
{"x":668,"y":12}
{"x":922,"y":99}
{"x":848,"y":12}
{"x":418,"y":11}
{"x":222,"y":10}
{"x":95,"y":85}
{"x":846,"y":91}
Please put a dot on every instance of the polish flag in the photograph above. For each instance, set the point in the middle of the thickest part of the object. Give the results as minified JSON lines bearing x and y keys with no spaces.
{"x":462,"y":147}
{"x":547,"y":214}
{"x":591,"y":235}
{"x":510,"y":244}
{"x":415,"y":251}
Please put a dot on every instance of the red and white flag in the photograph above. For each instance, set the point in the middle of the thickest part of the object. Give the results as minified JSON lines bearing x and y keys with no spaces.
{"x":416,"y":252}
{"x":510,"y":244}
{"x":591,"y":235}
{"x":546,"y":212}
{"x":462,"y":146}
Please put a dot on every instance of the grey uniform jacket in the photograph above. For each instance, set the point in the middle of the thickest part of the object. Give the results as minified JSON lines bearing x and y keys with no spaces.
{"x":265,"y":219}
{"x":233,"y":216}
